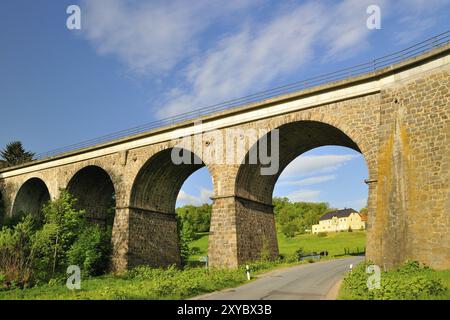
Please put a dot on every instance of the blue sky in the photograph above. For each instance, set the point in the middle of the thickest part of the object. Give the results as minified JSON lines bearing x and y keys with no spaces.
{"x":136,"y":61}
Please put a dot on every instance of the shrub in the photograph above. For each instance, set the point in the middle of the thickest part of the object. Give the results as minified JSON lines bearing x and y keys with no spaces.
{"x":16,"y":257}
{"x":91,"y":251}
{"x":148,"y":273}
{"x":36,"y":249}
{"x":62,"y":225}
{"x":322,"y":234}
{"x":299,"y":253}
{"x":410,"y":281}
{"x":185,"y":236}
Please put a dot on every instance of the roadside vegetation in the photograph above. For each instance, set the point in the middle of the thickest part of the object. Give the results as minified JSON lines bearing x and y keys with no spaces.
{"x":411,"y":281}
{"x":147,"y":283}
{"x":38,"y":249}
{"x":35,"y":251}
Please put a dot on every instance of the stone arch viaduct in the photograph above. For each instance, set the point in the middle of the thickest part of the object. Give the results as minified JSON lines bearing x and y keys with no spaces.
{"x":396,"y":117}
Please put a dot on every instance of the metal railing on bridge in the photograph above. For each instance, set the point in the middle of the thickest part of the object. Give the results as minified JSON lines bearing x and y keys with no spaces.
{"x":371,"y":66}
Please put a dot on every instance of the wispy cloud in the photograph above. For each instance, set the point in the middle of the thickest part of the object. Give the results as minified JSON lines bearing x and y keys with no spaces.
{"x":311,"y":165}
{"x":152,"y":37}
{"x":307,"y":181}
{"x":259,"y":53}
{"x":304,"y":196}
{"x":209,"y":51}
{"x":202,"y":198}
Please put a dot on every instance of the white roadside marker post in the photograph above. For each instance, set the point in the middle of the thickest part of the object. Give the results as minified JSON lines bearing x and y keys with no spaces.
{"x":351,"y":267}
{"x":248,"y":272}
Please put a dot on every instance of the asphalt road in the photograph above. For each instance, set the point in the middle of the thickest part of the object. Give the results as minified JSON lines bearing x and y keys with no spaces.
{"x":315,"y":281}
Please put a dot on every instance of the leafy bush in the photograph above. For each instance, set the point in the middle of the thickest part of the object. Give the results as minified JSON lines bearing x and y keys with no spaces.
{"x":10,"y":222}
{"x":322,"y":234}
{"x":185,"y":236}
{"x":91,"y":251}
{"x":62,"y":225}
{"x":36,"y":249}
{"x":148,"y":273}
{"x":16,"y":256}
{"x":410,"y":281}
{"x":299,"y":253}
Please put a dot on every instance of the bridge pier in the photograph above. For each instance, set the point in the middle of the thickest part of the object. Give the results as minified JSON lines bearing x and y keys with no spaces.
{"x":144,"y":237}
{"x":242,"y":230}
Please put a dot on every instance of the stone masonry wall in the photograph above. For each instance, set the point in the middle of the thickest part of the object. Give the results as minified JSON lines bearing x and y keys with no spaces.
{"x":413,"y":208}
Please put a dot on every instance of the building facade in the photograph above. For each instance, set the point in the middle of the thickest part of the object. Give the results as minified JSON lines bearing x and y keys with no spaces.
{"x":340,"y":220}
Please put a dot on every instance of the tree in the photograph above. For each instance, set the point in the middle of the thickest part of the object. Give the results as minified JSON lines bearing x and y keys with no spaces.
{"x":63,"y":225}
{"x":198,"y":217}
{"x":185,"y":236}
{"x":296,"y":217}
{"x":14,"y":154}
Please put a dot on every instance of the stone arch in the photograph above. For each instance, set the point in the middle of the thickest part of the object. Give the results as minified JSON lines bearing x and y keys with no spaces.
{"x":252,"y":229}
{"x":159,"y":181}
{"x":31,"y":197}
{"x":295,"y":138}
{"x":94,"y":189}
{"x":152,"y":222}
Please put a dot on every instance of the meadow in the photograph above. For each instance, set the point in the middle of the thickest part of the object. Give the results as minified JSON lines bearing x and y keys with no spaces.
{"x":337,"y":244}
{"x":148,"y":283}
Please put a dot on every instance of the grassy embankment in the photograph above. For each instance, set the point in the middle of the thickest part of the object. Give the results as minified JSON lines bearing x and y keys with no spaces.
{"x":146,"y":283}
{"x":411,"y":281}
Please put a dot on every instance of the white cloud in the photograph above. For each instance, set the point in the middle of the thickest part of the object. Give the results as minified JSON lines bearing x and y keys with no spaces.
{"x":304,"y":196}
{"x":260,"y":53}
{"x":307,"y":181}
{"x":203,"y":198}
{"x":220,"y":50}
{"x":310,"y":165}
{"x":152,"y":37}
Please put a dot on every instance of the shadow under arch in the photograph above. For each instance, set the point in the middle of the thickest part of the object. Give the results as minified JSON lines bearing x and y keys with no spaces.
{"x":94,"y":189}
{"x":153,"y":238}
{"x":31,"y":197}
{"x":159,"y":181}
{"x":254,"y":191}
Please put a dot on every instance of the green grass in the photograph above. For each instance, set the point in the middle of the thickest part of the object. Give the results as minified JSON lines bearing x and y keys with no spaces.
{"x":145,"y":283}
{"x":202,"y":243}
{"x":168,"y":285}
{"x":410,"y":281}
{"x":182,"y":284}
{"x":334,"y":243}
{"x":444,"y":277}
